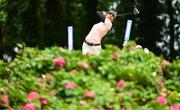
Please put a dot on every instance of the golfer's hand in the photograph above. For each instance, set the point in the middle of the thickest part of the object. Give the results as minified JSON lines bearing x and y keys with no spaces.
{"x":104,"y":13}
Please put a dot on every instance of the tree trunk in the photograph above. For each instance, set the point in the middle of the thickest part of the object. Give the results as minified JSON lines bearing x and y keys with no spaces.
{"x":1,"y":42}
{"x":171,"y":31}
{"x":55,"y":24}
{"x":91,"y":7}
{"x":149,"y":27}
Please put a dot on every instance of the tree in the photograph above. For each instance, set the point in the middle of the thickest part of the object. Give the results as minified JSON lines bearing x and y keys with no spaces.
{"x":125,"y":6}
{"x":149,"y":26}
{"x":171,"y":28}
{"x":55,"y":24}
{"x":3,"y":19}
{"x":173,"y":8}
{"x":170,"y":31}
{"x":43,"y":23}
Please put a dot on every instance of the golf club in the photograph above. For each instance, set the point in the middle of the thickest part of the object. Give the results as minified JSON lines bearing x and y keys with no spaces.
{"x":135,"y":12}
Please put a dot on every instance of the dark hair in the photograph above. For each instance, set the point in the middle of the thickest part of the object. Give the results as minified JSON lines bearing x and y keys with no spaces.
{"x":113,"y":13}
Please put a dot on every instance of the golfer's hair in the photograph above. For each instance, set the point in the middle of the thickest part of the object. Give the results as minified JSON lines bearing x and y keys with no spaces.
{"x":113,"y":13}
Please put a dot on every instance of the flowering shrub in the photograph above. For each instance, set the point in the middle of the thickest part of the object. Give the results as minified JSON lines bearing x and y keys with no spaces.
{"x":59,"y":61}
{"x":28,"y":106}
{"x":32,"y":95}
{"x":175,"y":107}
{"x":4,"y":100}
{"x":117,"y":79}
{"x":121,"y":84}
{"x":162,"y":100}
{"x":70,"y":85}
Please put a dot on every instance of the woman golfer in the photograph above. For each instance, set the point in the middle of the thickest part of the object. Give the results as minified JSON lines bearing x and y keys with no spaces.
{"x":92,"y":42}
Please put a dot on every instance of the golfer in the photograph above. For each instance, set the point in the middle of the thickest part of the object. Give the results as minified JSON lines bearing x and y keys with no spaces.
{"x":92,"y":42}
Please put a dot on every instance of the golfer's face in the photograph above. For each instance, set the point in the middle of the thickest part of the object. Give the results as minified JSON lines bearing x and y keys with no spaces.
{"x":110,"y":17}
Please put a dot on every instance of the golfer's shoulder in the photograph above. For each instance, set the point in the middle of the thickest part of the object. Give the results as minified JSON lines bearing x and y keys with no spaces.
{"x":108,"y":21}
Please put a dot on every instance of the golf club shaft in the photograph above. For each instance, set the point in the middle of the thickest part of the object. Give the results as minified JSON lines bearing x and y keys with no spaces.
{"x":125,"y":14}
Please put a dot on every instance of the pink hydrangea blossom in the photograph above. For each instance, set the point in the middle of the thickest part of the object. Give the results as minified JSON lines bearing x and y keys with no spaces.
{"x":28,"y":106}
{"x":165,"y":63}
{"x":53,"y":92}
{"x":115,"y":57}
{"x":70,"y":85}
{"x":163,"y":94}
{"x":74,"y":71}
{"x":122,"y":108}
{"x":59,"y":61}
{"x":82,"y":102}
{"x":174,"y":107}
{"x":162,"y":100}
{"x":9,"y":108}
{"x":89,"y":94}
{"x":83,"y":65}
{"x":121,"y":84}
{"x":161,"y":84}
{"x":43,"y":101}
{"x":32,"y":95}
{"x":4,"y":99}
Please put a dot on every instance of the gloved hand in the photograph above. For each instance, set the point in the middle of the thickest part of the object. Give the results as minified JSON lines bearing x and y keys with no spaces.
{"x":104,"y":12}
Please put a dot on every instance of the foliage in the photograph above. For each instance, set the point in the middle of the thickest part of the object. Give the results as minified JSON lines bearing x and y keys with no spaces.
{"x":127,"y":78}
{"x":43,"y":23}
{"x":3,"y":14}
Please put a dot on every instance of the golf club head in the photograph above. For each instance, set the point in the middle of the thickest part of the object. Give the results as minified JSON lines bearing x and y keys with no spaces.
{"x":136,"y":11}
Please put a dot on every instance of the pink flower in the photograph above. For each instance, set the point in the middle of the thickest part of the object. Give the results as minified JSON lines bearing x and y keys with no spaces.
{"x":122,"y":108}
{"x":174,"y":107}
{"x":163,"y":94}
{"x":59,"y":61}
{"x":43,"y":101}
{"x":83,"y":65}
{"x":28,"y":106}
{"x":165,"y":63}
{"x":162,"y":100}
{"x":9,"y":108}
{"x":121,"y":84}
{"x":89,"y":94}
{"x":5,"y":99}
{"x":70,"y":85}
{"x":115,"y":57}
{"x":74,"y":71}
{"x":53,"y":92}
{"x":161,"y":84}
{"x":32,"y":95}
{"x":82,"y":102}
